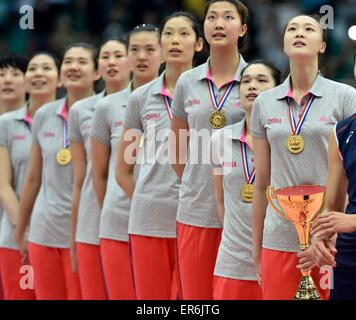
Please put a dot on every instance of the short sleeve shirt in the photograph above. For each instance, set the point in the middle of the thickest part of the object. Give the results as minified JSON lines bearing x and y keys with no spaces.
{"x":270,"y":120}
{"x":15,"y":135}
{"x":155,"y":199}
{"x":80,"y":122}
{"x":234,"y":258}
{"x":51,"y":215}
{"x":108,"y":123}
{"x":192,"y":103}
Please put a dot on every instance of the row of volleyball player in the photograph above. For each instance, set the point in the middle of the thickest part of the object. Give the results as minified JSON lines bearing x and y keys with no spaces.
{"x":92,"y":220}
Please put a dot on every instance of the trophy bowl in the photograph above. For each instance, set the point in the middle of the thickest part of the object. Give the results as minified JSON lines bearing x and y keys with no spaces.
{"x":299,"y":205}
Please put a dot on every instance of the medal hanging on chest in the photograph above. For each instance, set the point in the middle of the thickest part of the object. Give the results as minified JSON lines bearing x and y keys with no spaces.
{"x":64,"y":156}
{"x":248,"y":187}
{"x":295,"y":142}
{"x":217,"y":119}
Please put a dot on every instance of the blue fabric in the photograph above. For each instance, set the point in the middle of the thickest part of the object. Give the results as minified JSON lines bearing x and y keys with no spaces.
{"x":345,"y":272}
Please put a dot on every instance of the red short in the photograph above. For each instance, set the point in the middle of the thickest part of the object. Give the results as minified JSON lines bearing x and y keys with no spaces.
{"x":15,"y":281}
{"x":232,"y":289}
{"x":280,"y":276}
{"x":154,"y":263}
{"x":1,"y":290}
{"x":90,"y":272}
{"x":115,"y":256}
{"x":54,"y":278}
{"x":197,"y":251}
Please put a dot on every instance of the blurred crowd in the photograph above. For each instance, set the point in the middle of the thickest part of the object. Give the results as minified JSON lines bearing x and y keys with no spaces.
{"x":58,"y":23}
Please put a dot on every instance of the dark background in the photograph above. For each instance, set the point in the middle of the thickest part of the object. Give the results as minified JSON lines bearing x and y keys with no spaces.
{"x":58,"y":23}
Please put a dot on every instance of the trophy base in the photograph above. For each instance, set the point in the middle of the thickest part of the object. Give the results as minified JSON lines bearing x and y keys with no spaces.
{"x":307,"y":290}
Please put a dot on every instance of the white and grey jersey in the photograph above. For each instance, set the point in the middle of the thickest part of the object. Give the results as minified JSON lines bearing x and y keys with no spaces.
{"x":80,"y":122}
{"x":108,"y":123}
{"x":155,"y":199}
{"x":192,"y":103}
{"x":15,"y":135}
{"x":333,"y":102}
{"x":51,"y":215}
{"x":234,"y":258}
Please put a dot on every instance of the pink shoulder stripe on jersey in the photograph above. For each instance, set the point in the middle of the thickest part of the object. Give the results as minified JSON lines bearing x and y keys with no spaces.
{"x":165,"y":92}
{"x":28,"y":118}
{"x":289,"y":93}
{"x":64,"y":111}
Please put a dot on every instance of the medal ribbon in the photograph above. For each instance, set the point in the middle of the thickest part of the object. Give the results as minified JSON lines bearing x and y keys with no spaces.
{"x":28,"y":121}
{"x":168,"y":103}
{"x":297,"y":127}
{"x":167,"y":98}
{"x":219,"y":105}
{"x":250,"y":177}
{"x":65,"y":141}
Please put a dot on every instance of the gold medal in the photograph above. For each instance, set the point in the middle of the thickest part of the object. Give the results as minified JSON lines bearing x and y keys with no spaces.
{"x":218,"y":120}
{"x":295,"y":143}
{"x":64,"y":157}
{"x":247,"y":192}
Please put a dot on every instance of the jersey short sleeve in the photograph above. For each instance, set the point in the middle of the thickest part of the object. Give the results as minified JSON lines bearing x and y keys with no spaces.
{"x":258,"y":129}
{"x":74,"y":132}
{"x":100,"y":126}
{"x":178,"y":109}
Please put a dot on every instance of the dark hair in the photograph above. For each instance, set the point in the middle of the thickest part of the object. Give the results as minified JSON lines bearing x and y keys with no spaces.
{"x":52,"y":56}
{"x":243,"y":12}
{"x":276,"y":73}
{"x":13,"y":60}
{"x":199,"y":57}
{"x":86,"y":46}
{"x":123,"y":39}
{"x":193,"y":20}
{"x":144,"y":28}
{"x":324,"y":36}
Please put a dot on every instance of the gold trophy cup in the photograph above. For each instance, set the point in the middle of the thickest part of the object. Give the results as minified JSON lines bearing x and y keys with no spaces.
{"x":299,"y":205}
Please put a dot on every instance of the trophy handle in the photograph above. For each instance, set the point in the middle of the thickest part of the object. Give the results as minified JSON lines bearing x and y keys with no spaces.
{"x":271,"y":195}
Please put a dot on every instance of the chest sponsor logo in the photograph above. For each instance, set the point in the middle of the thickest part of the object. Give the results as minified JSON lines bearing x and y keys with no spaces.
{"x":18,"y":137}
{"x":193,"y":102}
{"x":153,"y":116}
{"x":323,"y":119}
{"x":231,"y":164}
{"x":48,"y":134}
{"x":274,"y":121}
{"x":118,"y":123}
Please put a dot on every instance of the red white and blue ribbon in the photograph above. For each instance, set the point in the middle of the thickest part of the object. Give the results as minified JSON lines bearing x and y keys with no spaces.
{"x":296,"y":127}
{"x":250,"y":176}
{"x":65,"y":135}
{"x":167,"y":98}
{"x":168,"y":103}
{"x":219,"y":105}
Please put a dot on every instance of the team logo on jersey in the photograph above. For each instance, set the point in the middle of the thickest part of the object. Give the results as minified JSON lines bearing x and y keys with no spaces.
{"x":193,"y":102}
{"x":118,"y":123}
{"x":323,"y":119}
{"x":274,"y":121}
{"x":153,"y":116}
{"x":18,"y":137}
{"x":232,"y":164}
{"x":48,"y":134}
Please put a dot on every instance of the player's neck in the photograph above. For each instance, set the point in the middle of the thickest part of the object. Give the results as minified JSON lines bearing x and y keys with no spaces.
{"x":223,"y":65}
